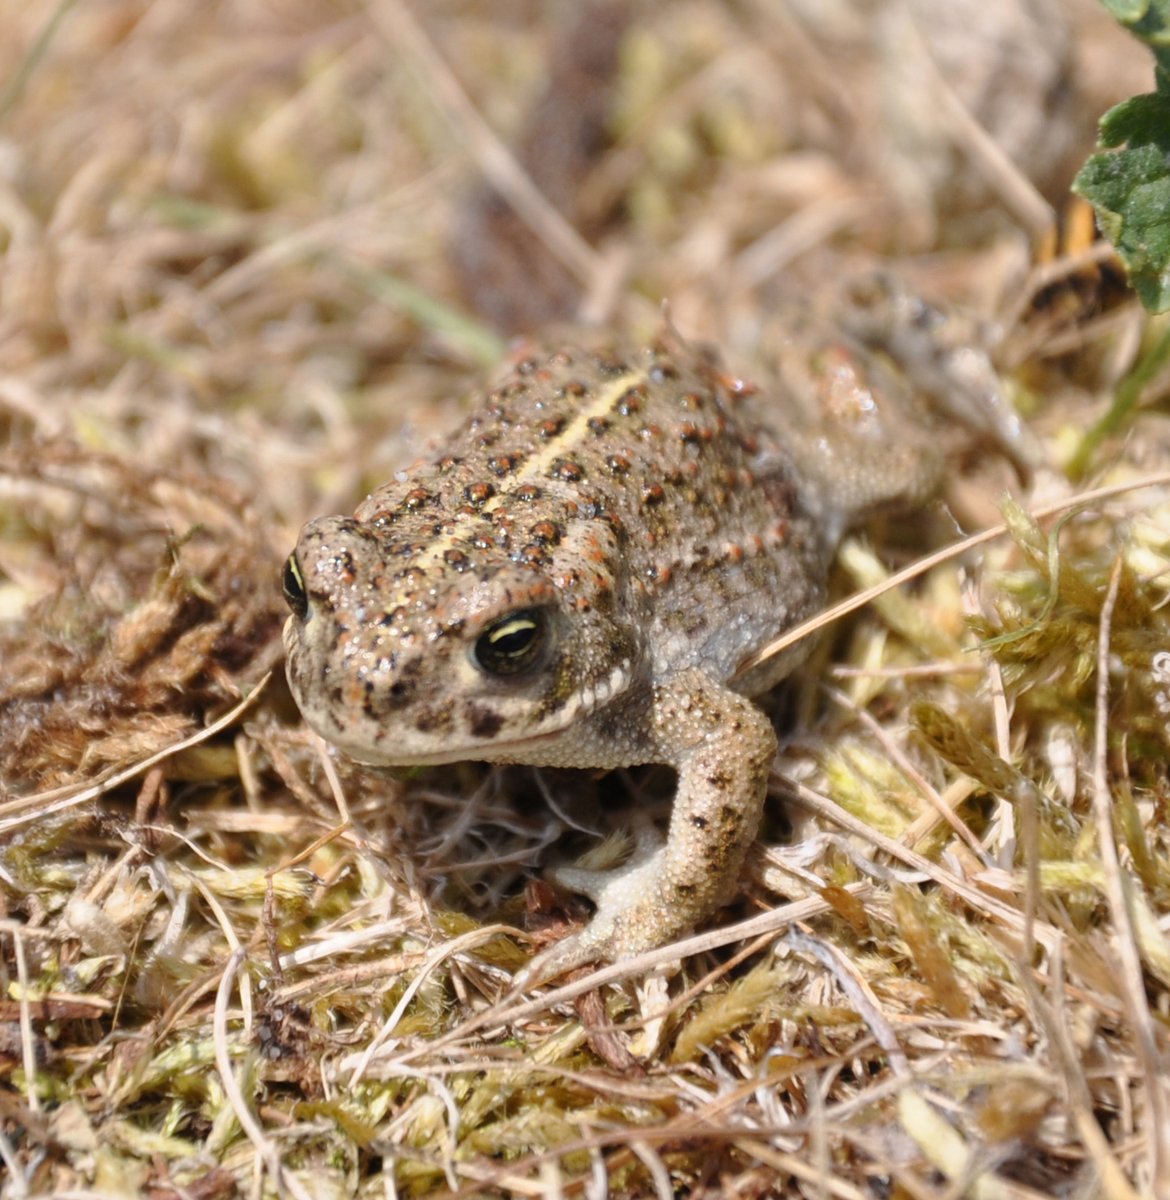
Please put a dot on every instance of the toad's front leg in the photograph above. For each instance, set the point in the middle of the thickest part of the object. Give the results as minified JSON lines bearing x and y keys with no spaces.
{"x":722,"y":746}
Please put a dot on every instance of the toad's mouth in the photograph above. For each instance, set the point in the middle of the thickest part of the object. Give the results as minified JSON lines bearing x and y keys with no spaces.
{"x":389,"y":744}
{"x":513,"y":750}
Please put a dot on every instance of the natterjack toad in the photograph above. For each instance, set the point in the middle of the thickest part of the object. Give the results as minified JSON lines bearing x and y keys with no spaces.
{"x":574,"y":581}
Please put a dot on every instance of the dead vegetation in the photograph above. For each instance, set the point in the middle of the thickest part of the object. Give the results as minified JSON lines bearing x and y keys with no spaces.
{"x":234,"y":962}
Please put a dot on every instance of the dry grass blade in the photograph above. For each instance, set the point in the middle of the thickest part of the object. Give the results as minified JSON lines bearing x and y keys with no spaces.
{"x":404,"y":34}
{"x":1119,"y":886}
{"x":926,"y":564}
{"x":37,"y":807}
{"x":265,"y":1148}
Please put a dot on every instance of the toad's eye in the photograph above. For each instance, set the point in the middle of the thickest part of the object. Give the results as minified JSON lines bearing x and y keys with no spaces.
{"x":515,"y":643}
{"x":292,"y":583}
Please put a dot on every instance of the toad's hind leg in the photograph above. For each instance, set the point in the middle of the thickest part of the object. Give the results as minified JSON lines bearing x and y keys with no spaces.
{"x":722,"y":746}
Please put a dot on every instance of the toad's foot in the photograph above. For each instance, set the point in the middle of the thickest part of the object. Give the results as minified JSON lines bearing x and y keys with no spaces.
{"x":722,"y":747}
{"x":634,"y":913}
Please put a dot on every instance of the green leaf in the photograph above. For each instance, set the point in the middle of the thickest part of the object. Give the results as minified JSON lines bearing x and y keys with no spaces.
{"x":1126,"y":11}
{"x":1141,"y":121}
{"x":1130,"y":191}
{"x":1148,"y":20}
{"x":1129,"y":185}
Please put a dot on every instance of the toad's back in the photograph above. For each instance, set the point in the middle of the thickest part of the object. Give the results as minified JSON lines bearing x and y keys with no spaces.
{"x":629,"y":497}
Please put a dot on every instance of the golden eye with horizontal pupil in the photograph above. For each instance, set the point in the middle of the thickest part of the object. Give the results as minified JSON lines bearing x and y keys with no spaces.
{"x":514,"y":644}
{"x":292,"y":583}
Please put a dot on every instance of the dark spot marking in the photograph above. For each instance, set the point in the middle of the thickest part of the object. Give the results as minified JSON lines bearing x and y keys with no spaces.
{"x":616,"y":524}
{"x":546,"y":532}
{"x":532,"y":554}
{"x":483,"y":722}
{"x":715,"y":852}
{"x":478,"y":493}
{"x":502,"y":464}
{"x":344,"y":565}
{"x":431,"y":719}
{"x":566,"y":469}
